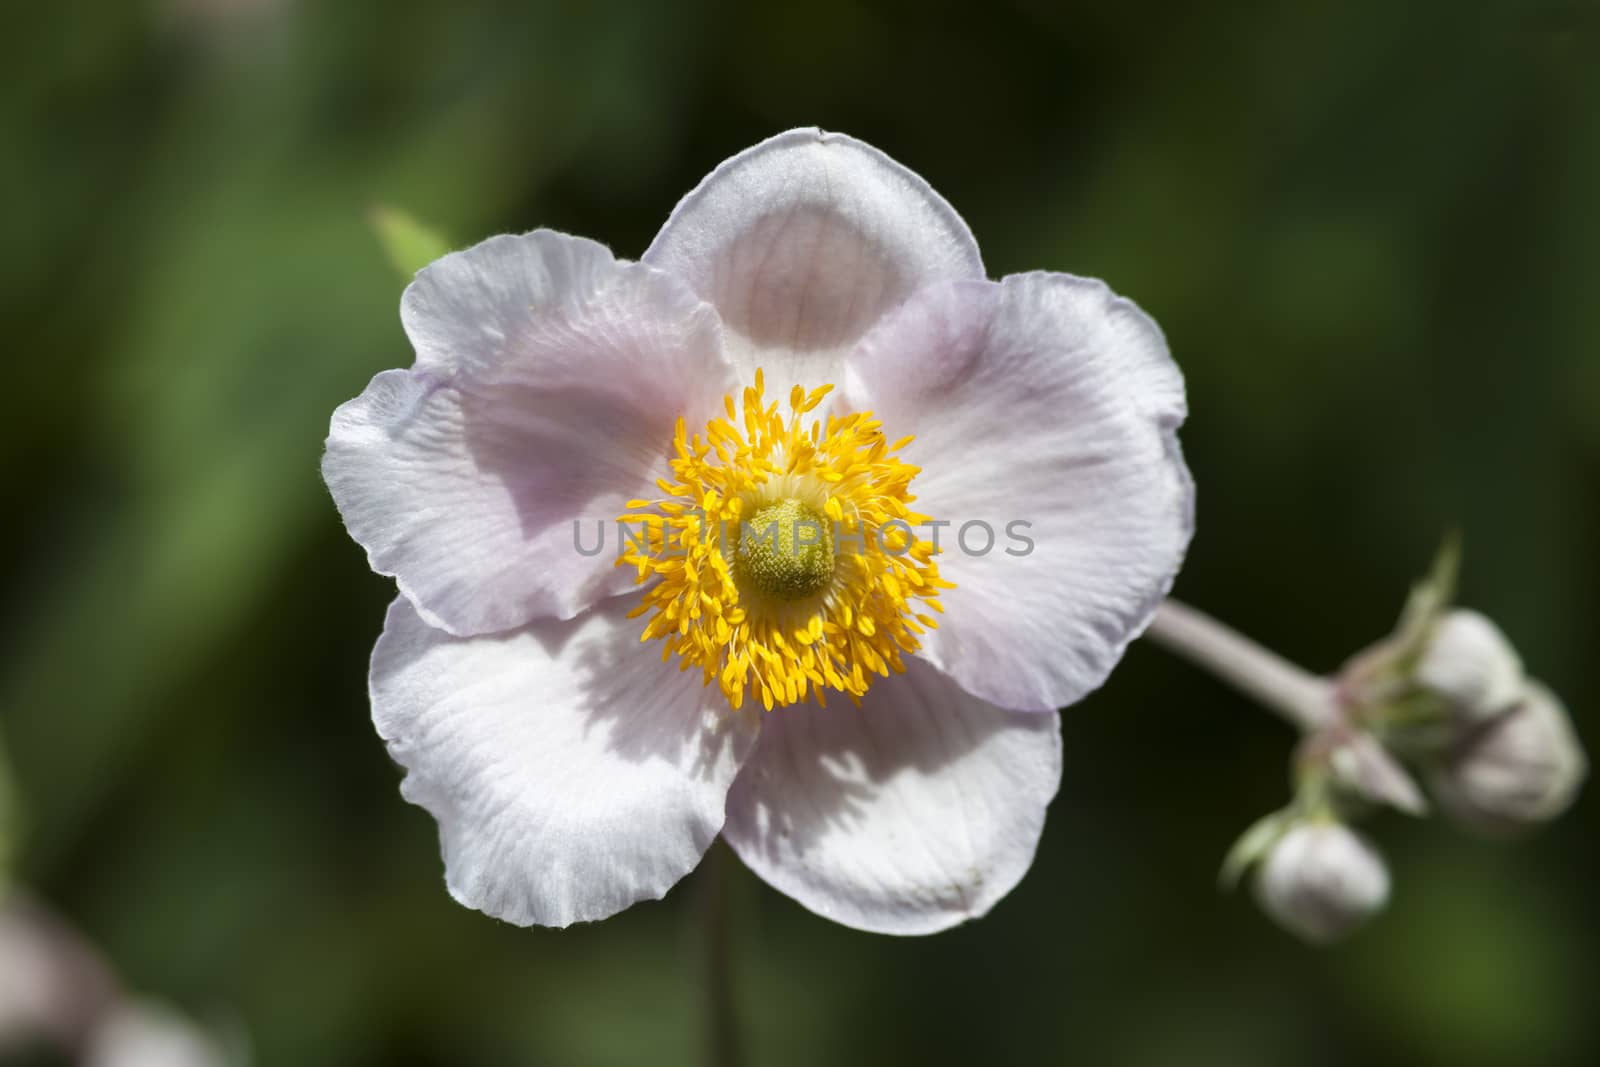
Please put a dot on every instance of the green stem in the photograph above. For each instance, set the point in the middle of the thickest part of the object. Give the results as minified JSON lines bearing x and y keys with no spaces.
{"x":716,"y":921}
{"x":1299,"y":696}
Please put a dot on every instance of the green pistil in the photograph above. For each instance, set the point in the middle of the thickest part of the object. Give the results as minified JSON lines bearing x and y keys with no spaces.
{"x":785,"y":550}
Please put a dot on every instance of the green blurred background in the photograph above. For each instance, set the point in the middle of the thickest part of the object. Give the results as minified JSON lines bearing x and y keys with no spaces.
{"x":1371,"y":232}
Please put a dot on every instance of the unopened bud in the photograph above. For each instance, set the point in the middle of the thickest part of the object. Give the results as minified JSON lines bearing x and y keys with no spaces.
{"x":1321,"y":880}
{"x":148,"y":1034}
{"x":1469,"y":663}
{"x":1522,"y":766}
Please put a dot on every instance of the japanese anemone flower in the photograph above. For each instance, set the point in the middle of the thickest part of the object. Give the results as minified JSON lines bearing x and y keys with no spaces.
{"x":871,"y":724}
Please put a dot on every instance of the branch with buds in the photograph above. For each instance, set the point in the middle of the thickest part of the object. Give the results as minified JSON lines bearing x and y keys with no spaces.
{"x":1445,"y":694}
{"x":58,"y":993}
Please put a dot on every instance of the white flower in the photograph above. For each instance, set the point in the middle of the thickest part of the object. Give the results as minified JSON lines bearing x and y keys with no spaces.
{"x":52,"y":985}
{"x":1523,"y":766}
{"x":144,"y":1033}
{"x":1321,"y":880}
{"x":574,"y":770}
{"x":1469,"y":662}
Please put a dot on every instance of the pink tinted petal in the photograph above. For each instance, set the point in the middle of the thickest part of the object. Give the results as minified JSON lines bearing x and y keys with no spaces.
{"x":464,"y":476}
{"x":803,"y":242}
{"x":572,"y":773}
{"x":482,"y":307}
{"x":1046,"y":410}
{"x":917,"y":811}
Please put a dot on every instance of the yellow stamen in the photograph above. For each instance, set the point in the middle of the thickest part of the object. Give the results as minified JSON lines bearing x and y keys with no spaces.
{"x":740,"y":583}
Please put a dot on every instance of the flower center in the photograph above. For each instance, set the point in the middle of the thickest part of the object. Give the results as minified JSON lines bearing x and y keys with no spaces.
{"x":785,"y":550}
{"x":783,"y":560}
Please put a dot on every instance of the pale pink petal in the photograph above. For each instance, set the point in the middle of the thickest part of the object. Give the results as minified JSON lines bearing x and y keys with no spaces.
{"x":572,"y":773}
{"x":803,"y":242}
{"x":914,"y":812}
{"x":547,"y":383}
{"x":1046,"y":411}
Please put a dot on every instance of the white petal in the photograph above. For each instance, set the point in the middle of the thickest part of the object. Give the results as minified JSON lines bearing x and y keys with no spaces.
{"x":918,"y":810}
{"x":572,"y":773}
{"x":803,"y":242}
{"x":548,"y":379}
{"x":1046,"y":411}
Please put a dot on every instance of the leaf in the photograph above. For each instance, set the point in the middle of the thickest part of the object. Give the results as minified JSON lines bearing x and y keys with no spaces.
{"x":1430,"y":598}
{"x":409,"y":244}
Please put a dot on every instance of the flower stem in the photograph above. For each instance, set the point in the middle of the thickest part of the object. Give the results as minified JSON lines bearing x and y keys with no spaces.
{"x":722,"y":1017}
{"x":1296,"y":694}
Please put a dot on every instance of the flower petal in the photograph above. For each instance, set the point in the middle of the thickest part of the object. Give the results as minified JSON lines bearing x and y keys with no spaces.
{"x":803,"y":242}
{"x":572,"y":773}
{"x":915,"y":812}
{"x":1046,"y":412}
{"x":547,"y":382}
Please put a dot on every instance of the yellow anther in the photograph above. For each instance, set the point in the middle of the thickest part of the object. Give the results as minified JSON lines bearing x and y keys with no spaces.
{"x":765,"y":560}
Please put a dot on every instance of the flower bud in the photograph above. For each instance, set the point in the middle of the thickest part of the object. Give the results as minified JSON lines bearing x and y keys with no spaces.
{"x":1522,"y":766}
{"x":1321,"y":880}
{"x":1469,"y":662}
{"x":142,"y":1033}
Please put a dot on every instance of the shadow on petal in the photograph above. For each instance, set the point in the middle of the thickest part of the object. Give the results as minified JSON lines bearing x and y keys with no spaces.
{"x":910,"y":814}
{"x":588,"y":447}
{"x":618,"y":676}
{"x":806,"y":278}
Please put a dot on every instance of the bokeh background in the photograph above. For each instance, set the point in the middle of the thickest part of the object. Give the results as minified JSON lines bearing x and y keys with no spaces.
{"x":1371,"y":232}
